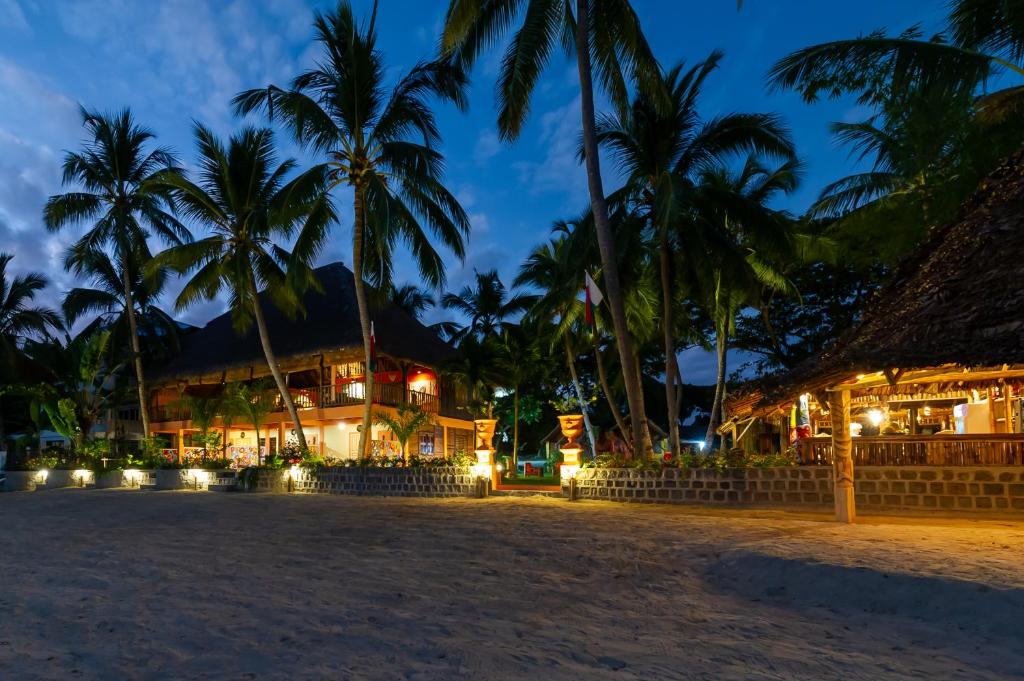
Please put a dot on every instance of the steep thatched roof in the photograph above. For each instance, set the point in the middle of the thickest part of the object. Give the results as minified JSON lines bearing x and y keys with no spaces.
{"x":331,"y":323}
{"x":958,"y":299}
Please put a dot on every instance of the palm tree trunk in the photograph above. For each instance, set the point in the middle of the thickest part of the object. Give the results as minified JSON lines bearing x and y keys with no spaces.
{"x":721,"y":351}
{"x":670,"y":350}
{"x":602,"y":226}
{"x":645,"y":432}
{"x":133,"y":329}
{"x":602,"y":376}
{"x":275,"y":370}
{"x":515,"y":430}
{"x":358,"y":234}
{"x":579,"y":395}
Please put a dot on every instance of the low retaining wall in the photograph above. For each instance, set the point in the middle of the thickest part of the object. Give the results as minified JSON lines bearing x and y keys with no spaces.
{"x":876,"y":487}
{"x":395,"y":482}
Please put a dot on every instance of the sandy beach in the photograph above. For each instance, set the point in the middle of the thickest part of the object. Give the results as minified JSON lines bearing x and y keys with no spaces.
{"x":124,"y":584}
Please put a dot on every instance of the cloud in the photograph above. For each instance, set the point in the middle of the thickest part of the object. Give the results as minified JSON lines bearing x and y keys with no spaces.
{"x":559,"y":170}
{"x":487,"y":147}
{"x":11,"y":16}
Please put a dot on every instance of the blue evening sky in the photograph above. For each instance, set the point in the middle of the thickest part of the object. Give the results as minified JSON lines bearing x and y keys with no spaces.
{"x":173,"y":61}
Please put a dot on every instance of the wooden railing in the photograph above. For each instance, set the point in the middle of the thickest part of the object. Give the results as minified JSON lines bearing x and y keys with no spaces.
{"x":921,"y":450}
{"x":339,"y":395}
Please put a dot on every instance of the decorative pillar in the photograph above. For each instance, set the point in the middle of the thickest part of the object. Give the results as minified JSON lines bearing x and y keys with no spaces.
{"x":322,"y":448}
{"x":444,"y":441}
{"x":181,"y":445}
{"x":484,"y":448}
{"x":572,"y":427}
{"x":842,"y":457}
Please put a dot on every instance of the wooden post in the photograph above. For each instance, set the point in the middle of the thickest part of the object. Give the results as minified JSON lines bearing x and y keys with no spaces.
{"x":322,"y":439}
{"x":280,"y":436}
{"x":913,"y":420}
{"x":181,"y":445}
{"x":842,"y":457}
{"x":783,"y":434}
{"x":444,"y":440}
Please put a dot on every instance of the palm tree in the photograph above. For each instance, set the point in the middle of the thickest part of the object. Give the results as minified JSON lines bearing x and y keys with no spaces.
{"x":253,"y":402}
{"x":553,"y":270}
{"x":80,"y":390}
{"x":517,"y":359}
{"x":407,"y":420}
{"x":987,"y":37}
{"x":749,"y":243}
{"x":605,"y":31}
{"x":107,"y":301}
{"x":19,"y":320}
{"x":488,"y":305}
{"x":661,"y":150}
{"x":380,"y":142}
{"x":118,"y":194}
{"x":412,"y":299}
{"x":243,"y":197}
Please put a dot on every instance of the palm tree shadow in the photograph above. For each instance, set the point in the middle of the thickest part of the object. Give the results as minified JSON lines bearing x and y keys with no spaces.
{"x":976,"y":619}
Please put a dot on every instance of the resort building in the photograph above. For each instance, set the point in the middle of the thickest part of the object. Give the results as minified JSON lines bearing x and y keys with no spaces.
{"x":934,"y":373}
{"x":321,"y":356}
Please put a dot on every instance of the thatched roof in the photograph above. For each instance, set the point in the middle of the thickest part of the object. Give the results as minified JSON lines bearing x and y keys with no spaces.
{"x":331,"y":323}
{"x":957,"y":300}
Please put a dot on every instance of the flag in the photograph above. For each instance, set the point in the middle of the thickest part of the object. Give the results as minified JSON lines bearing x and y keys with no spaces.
{"x":594,"y":298}
{"x":373,"y":349}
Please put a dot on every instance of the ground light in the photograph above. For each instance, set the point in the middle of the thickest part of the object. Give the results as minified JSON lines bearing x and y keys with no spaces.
{"x":199,"y":476}
{"x":79,"y":476}
{"x":133,"y":477}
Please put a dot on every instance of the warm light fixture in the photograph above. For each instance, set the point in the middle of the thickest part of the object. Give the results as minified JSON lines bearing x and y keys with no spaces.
{"x":876,"y":417}
{"x":342,"y":425}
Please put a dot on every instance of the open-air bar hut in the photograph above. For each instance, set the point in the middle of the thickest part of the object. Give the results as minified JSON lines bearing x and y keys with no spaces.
{"x":934,"y":372}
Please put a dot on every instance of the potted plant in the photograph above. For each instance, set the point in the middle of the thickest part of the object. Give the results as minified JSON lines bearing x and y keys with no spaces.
{"x":170,"y":474}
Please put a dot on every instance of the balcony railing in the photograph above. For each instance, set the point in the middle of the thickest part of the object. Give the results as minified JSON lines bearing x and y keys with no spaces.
{"x":921,"y":450}
{"x":340,"y":395}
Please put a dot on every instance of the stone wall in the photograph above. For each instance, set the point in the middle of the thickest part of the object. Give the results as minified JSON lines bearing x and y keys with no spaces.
{"x":395,"y":482}
{"x":998,"y":489}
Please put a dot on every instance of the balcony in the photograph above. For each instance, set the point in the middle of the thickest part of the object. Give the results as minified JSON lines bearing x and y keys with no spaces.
{"x":345,"y":395}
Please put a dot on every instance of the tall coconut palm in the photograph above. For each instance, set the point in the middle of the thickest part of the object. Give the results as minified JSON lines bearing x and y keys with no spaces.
{"x":20,"y":319}
{"x":114,"y":176}
{"x":107,"y":301}
{"x":488,"y":306}
{"x":380,"y":142}
{"x":661,"y":150}
{"x":244,"y":198}
{"x":605,"y":37}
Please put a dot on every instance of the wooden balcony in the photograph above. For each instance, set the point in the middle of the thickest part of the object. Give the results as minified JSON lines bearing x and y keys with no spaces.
{"x":342,"y":395}
{"x":921,"y":450}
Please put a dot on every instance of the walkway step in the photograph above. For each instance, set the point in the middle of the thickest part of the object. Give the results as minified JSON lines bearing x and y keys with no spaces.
{"x":526,"y":493}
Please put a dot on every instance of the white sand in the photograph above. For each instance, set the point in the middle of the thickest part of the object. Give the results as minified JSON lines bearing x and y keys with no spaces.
{"x":163,"y":585}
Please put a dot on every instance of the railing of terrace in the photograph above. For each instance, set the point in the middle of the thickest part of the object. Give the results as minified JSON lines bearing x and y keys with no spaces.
{"x":921,"y":450}
{"x":341,"y":395}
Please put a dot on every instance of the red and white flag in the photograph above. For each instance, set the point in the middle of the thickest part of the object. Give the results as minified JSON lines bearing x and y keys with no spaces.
{"x":594,"y":298}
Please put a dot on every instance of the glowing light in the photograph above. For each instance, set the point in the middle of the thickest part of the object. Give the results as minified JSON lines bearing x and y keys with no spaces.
{"x":927,"y":410}
{"x":81,"y":476}
{"x":500,"y":468}
{"x":701,"y":445}
{"x":481,"y":470}
{"x":41,"y":476}
{"x":569,"y":471}
{"x":294,"y":471}
{"x":876,"y":417}
{"x":342,"y":425}
{"x":198,"y":475}
{"x":133,"y":476}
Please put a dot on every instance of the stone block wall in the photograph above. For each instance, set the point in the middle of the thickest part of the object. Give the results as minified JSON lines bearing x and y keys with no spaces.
{"x":398,"y":482}
{"x":992,"y":489}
